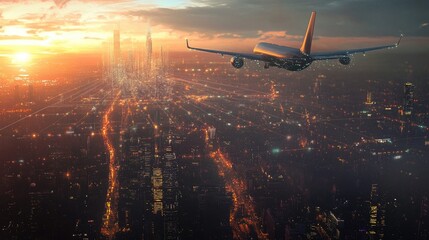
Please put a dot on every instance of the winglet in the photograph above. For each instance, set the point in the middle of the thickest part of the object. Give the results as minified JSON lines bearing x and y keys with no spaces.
{"x":306,"y":43}
{"x":187,"y":44}
{"x":399,"y":41}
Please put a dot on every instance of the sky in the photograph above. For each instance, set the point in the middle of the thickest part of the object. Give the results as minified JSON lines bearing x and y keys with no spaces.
{"x":57,"y":26}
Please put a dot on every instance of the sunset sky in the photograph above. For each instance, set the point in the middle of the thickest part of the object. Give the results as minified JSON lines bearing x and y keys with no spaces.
{"x":57,"y":26}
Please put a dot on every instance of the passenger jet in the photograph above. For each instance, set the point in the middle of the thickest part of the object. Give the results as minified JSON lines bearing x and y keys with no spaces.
{"x":289,"y":58}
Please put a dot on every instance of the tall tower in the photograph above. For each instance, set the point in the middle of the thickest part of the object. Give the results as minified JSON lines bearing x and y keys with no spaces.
{"x":116,"y":46}
{"x":163,"y":62}
{"x":30,"y":92}
{"x":369,"y":98}
{"x":17,"y":94}
{"x":408,"y":98}
{"x":212,"y":132}
{"x":148,"y":53}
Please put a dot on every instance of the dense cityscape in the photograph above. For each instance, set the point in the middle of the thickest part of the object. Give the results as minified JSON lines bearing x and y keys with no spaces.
{"x":142,"y":142}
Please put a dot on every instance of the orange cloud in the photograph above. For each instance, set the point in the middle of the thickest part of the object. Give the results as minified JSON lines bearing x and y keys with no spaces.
{"x":82,"y":25}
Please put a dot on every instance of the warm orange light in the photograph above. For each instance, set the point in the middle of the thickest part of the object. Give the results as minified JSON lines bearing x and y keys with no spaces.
{"x":21,"y":57}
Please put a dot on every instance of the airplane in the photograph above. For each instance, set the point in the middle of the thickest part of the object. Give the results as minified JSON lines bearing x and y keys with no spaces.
{"x":289,"y":58}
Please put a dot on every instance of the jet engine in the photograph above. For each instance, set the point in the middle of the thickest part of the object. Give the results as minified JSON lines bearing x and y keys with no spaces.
{"x":237,"y":62}
{"x":344,"y":60}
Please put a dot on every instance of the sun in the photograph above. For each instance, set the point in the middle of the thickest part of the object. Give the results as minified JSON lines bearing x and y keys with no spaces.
{"x":21,"y":57}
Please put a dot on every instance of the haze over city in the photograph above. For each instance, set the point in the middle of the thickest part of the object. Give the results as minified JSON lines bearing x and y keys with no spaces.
{"x":110,"y":128}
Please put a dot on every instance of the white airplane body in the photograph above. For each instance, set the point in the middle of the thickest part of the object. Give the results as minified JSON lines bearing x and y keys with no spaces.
{"x":292,"y":59}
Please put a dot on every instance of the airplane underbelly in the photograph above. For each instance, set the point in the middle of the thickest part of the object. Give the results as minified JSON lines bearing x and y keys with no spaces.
{"x":297,"y":65}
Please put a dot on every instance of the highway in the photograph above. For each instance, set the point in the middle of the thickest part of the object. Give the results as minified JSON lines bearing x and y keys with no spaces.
{"x":243,"y":225}
{"x":110,"y":219}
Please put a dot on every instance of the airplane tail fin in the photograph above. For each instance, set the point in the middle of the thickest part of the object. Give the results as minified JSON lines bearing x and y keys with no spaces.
{"x":306,"y":44}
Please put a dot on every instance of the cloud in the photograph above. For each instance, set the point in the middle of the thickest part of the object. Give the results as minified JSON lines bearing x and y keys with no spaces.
{"x":43,"y":26}
{"x":278,"y":21}
{"x":245,"y":18}
{"x":61,"y":3}
{"x":335,"y":18}
{"x":17,"y":37}
{"x":228,"y":35}
{"x":93,"y":38}
{"x":218,"y":19}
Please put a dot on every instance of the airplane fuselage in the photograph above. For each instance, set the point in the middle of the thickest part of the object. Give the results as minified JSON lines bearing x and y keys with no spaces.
{"x":289,"y":58}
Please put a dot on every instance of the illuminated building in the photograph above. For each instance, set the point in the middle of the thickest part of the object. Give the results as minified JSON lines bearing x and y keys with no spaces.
{"x":369,"y":98}
{"x":212,"y":132}
{"x":170,"y":187}
{"x":408,"y":98}
{"x":376,"y":214}
{"x":129,"y":187}
{"x":157,"y":191}
{"x":146,"y":185}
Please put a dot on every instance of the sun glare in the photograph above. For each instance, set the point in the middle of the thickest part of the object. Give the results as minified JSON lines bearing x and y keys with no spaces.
{"x":21,"y":58}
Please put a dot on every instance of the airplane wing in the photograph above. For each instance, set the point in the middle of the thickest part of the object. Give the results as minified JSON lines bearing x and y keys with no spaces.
{"x":344,"y":53}
{"x":243,"y":55}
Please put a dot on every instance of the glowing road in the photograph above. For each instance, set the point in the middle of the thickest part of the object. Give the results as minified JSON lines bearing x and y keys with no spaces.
{"x":110,"y":218}
{"x":241,"y":224}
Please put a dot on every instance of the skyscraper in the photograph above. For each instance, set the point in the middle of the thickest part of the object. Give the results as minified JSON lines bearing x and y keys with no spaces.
{"x":376,"y":214}
{"x":148,"y":53}
{"x":116,"y":46}
{"x":30,"y":92}
{"x":170,"y":186}
{"x":17,"y":94}
{"x":157,"y":190}
{"x":408,"y":98}
{"x":212,"y":132}
{"x":369,"y":98}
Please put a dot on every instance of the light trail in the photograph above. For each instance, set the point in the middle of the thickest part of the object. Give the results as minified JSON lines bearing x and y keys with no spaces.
{"x":110,"y":219}
{"x":205,"y":88}
{"x":260,"y":94}
{"x":48,"y":106}
{"x":225,"y":113}
{"x":76,"y":107}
